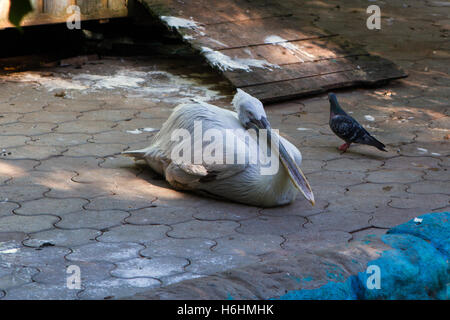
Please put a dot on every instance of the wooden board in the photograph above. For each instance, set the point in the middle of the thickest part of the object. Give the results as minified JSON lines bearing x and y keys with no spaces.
{"x":308,"y":60}
{"x":55,"y":11}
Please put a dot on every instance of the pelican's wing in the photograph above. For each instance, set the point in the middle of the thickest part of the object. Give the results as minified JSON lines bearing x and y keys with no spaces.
{"x":188,"y":173}
{"x":183,"y":176}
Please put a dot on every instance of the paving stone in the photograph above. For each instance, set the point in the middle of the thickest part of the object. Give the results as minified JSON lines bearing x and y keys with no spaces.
{"x":163,"y":194}
{"x":47,"y":116}
{"x":160,"y":215}
{"x":225,"y":211}
{"x":345,"y":164}
{"x":26,"y":129}
{"x":203,"y":229}
{"x":15,"y":255}
{"x":309,"y":166}
{"x":418,"y":163}
{"x":183,"y":248}
{"x":340,"y":178}
{"x":101,"y":175}
{"x":440,"y":174}
{"x":13,"y":141}
{"x":216,"y":262}
{"x":429,"y":187}
{"x":8,"y":117}
{"x":339,"y":221}
{"x":390,"y":217}
{"x":298,"y":208}
{"x":72,"y":189}
{"x":96,"y":150}
{"x":120,"y":136}
{"x":425,"y":148}
{"x":34,"y":152}
{"x":445,"y":162}
{"x":116,"y":288}
{"x":248,"y":244}
{"x":26,"y":224}
{"x":37,"y":291}
{"x":85,"y":126}
{"x":137,"y":123}
{"x":6,"y":208}
{"x":414,"y":201}
{"x":75,"y":105}
{"x":271,"y":225}
{"x":153,"y":268}
{"x":60,"y":140}
{"x":89,"y":272}
{"x":367,"y":235}
{"x":37,"y":178}
{"x":368,"y":190}
{"x":58,"y":207}
{"x":394,"y":176}
{"x":168,"y":280}
{"x":118,"y":203}
{"x":62,"y":238}
{"x":92,"y":219}
{"x":11,"y":277}
{"x":311,"y":239}
{"x":108,"y":115}
{"x":134,"y":233}
{"x":110,"y":252}
{"x":68,"y":163}
{"x":12,"y":236}
{"x":16,"y":168}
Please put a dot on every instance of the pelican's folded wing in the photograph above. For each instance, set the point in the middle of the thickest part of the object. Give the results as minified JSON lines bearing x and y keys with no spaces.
{"x":187,"y":173}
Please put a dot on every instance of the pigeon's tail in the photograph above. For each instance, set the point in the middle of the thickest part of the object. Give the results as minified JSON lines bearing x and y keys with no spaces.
{"x":377,"y":144}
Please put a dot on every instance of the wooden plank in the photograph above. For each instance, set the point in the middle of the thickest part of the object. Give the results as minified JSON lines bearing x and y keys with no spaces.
{"x":305,"y":70}
{"x":305,"y":50}
{"x":54,"y":11}
{"x":290,"y":89}
{"x":302,"y":60}
{"x":209,"y":12}
{"x":252,"y":32}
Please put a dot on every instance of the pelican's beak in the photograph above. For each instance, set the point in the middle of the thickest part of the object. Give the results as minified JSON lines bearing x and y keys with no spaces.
{"x":295,"y":173}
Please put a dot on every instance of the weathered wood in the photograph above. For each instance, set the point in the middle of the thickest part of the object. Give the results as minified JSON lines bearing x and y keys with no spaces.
{"x":307,"y":70}
{"x":240,"y":34}
{"x":55,"y":11}
{"x":304,"y":60}
{"x":209,"y":12}
{"x":290,"y":89}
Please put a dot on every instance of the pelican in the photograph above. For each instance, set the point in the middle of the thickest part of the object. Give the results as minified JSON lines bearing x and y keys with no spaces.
{"x":241,"y":182}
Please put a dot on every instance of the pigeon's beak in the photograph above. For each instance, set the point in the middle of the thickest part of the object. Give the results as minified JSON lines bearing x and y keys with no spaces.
{"x":295,"y":173}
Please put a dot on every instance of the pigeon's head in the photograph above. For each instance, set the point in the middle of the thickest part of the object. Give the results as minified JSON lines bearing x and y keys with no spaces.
{"x":335,"y":108}
{"x":250,"y":111}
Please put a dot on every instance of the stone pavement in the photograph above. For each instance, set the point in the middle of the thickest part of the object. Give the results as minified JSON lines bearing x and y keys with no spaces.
{"x":68,"y":198}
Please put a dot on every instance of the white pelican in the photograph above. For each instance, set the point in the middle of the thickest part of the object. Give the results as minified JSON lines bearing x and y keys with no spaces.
{"x":240,"y":182}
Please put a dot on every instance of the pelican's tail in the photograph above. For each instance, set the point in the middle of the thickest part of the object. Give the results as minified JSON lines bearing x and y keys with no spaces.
{"x":137,"y":154}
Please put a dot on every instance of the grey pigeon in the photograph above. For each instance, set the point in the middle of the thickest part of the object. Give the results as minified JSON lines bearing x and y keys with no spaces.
{"x":348,"y":129}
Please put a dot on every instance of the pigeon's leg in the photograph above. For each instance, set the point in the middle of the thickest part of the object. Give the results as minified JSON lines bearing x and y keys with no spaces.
{"x":344,"y":147}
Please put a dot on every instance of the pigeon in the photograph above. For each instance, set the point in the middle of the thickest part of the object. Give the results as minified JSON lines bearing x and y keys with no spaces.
{"x":348,"y":129}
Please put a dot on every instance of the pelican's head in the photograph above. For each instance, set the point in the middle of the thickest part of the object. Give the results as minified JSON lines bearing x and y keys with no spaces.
{"x":250,"y":111}
{"x":252,"y":115}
